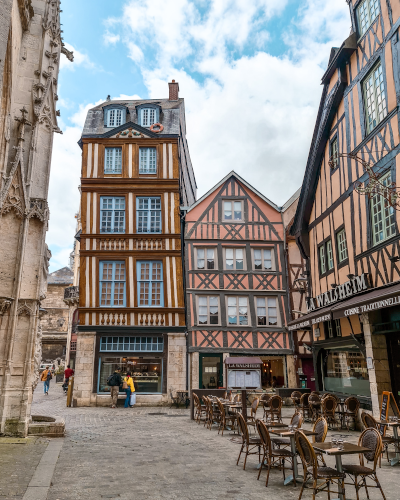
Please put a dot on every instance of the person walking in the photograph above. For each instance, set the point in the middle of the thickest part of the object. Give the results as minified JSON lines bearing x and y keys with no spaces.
{"x":45,"y":378}
{"x":67,"y":373}
{"x":130,"y":387}
{"x":114,"y":381}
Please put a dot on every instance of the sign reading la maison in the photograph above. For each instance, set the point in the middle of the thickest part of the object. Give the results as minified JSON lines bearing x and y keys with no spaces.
{"x":352,"y":287}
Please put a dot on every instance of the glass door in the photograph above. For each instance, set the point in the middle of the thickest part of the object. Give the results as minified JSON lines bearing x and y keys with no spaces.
{"x":211,"y":374}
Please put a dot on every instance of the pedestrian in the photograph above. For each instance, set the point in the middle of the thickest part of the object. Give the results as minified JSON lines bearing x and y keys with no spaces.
{"x":130,"y":387}
{"x":45,"y":378}
{"x":67,"y":373}
{"x":114,"y":381}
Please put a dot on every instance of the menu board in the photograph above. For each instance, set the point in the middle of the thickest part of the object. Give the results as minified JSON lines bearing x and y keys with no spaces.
{"x":387,"y":398}
{"x":242,"y":379}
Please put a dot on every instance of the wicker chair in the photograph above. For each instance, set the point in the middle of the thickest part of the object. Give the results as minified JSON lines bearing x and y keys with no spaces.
{"x":370,"y":438}
{"x":369,"y":422}
{"x":296,"y":420}
{"x":296,"y":396}
{"x":327,"y":475}
{"x":351,"y":407}
{"x":314,"y":402}
{"x":274,"y":409}
{"x":249,"y":444}
{"x":251,"y":419}
{"x":305,"y":408}
{"x":224,"y":418}
{"x":214,"y":415}
{"x":200,"y":410}
{"x":207,"y":417}
{"x":265,"y":403}
{"x":271,"y":456}
{"x":328,"y":409}
{"x":321,"y":428}
{"x":237,"y":398}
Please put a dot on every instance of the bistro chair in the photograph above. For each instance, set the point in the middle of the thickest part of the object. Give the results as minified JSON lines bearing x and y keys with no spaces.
{"x":200,"y":410}
{"x":249,"y":444}
{"x":271,"y":457}
{"x":274,"y":409}
{"x":327,"y":475}
{"x":321,"y":428}
{"x":296,"y":420}
{"x":351,"y":407}
{"x":251,"y":419}
{"x":328,"y":409}
{"x":207,"y":417}
{"x":314,"y":402}
{"x":370,"y":438}
{"x":174,"y":400}
{"x":265,"y":403}
{"x":237,"y":398}
{"x":224,"y":418}
{"x":369,"y":422}
{"x":305,"y":408}
{"x":214,"y":414}
{"x":296,"y":396}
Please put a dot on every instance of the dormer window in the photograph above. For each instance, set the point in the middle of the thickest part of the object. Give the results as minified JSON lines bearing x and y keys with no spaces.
{"x":148,"y":114}
{"x":148,"y":117}
{"x":114,"y":115}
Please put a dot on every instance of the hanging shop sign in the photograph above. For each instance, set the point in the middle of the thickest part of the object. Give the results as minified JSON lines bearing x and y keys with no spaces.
{"x":340,"y":292}
{"x":372,"y":306}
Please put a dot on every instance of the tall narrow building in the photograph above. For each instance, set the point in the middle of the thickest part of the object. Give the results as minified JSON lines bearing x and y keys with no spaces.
{"x":136,"y":172}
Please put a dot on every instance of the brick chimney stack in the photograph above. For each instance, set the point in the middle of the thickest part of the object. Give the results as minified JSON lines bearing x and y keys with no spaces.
{"x":173,"y":90}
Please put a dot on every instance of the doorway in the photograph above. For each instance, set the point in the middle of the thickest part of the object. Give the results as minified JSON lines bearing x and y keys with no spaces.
{"x":307,"y":365}
{"x":393,"y":348}
{"x":211,"y":375}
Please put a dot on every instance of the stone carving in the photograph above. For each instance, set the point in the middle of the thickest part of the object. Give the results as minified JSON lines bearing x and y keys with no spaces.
{"x":7,"y":132}
{"x":67,"y":53}
{"x":5,"y":304}
{"x":37,"y":357}
{"x":26,"y":12}
{"x":52,"y":19}
{"x":26,"y":309}
{"x":38,"y":208}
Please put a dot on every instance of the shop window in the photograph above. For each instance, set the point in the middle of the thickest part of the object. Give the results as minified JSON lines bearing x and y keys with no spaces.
{"x":374,"y":98}
{"x":112,"y":284}
{"x":147,"y":161}
{"x":382,"y":214}
{"x":267,"y":311}
{"x":113,"y":161}
{"x":112,"y":213}
{"x":342,"y":245}
{"x":150,"y":284}
{"x":208,"y":310}
{"x":205,"y":258}
{"x":233,"y":211}
{"x":148,"y":214}
{"x":234,"y":258}
{"x":146,"y":372}
{"x":345,"y":371}
{"x":263,"y":259}
{"x":136,"y":344}
{"x":367,"y":12}
{"x":238,"y":311}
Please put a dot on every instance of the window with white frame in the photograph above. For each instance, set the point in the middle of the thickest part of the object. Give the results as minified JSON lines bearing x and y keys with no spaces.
{"x":267,"y":311}
{"x":112,"y":213}
{"x":342,"y":245}
{"x":383,"y":215}
{"x":148,"y":214}
{"x":112,"y":284}
{"x":150,"y":284}
{"x":147,"y":161}
{"x":233,"y":210}
{"x":334,"y":152}
{"x":238,"y":311}
{"x":113,"y":161}
{"x":263,"y":259}
{"x":329,"y":254}
{"x":115,"y":117}
{"x":234,"y":258}
{"x":366,"y":14}
{"x":208,"y":310}
{"x":205,"y":258}
{"x":322,"y":261}
{"x":374,"y":97}
{"x":148,"y":116}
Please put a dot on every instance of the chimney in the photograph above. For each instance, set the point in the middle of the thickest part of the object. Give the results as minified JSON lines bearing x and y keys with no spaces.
{"x":173,"y":90}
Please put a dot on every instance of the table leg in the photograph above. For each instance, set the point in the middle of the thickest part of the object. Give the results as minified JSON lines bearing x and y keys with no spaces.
{"x":396,"y":459}
{"x":339,"y":468}
{"x":289,"y":479}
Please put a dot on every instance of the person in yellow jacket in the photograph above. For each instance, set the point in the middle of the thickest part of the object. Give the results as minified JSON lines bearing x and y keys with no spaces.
{"x":130,"y":387}
{"x":45,"y":378}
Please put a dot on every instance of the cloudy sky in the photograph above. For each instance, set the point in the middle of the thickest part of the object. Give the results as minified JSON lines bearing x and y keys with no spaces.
{"x":249,"y":71}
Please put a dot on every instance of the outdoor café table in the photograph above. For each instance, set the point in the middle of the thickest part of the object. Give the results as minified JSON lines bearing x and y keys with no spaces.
{"x":348,"y":449}
{"x":290,"y":435}
{"x":395,"y":426}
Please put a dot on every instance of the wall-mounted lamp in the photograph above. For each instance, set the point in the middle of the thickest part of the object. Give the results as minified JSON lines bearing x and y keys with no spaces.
{"x":394,"y":259}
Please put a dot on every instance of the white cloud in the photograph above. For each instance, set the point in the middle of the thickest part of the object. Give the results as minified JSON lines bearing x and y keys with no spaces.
{"x":135,"y":52}
{"x":111,"y":38}
{"x":80,"y":59}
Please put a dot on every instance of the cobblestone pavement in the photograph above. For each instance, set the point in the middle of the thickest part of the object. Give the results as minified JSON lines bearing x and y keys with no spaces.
{"x":159,"y":453}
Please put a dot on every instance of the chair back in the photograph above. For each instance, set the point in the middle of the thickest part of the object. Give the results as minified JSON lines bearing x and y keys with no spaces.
{"x":221,"y":408}
{"x":313,"y":393}
{"x":237,"y":398}
{"x":296,"y":420}
{"x":314,"y":398}
{"x":370,"y":438}
{"x":307,"y":454}
{"x":264,"y":436}
{"x":230,"y":396}
{"x":295,"y":396}
{"x":254,"y":406}
{"x":196,"y":401}
{"x":321,"y":428}
{"x":352,"y":405}
{"x":329,"y":405}
{"x":304,"y":399}
{"x":275,"y":403}
{"x":244,"y":431}
{"x":368,"y":420}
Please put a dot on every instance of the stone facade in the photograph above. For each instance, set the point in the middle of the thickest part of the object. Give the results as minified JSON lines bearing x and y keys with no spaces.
{"x":30,"y":50}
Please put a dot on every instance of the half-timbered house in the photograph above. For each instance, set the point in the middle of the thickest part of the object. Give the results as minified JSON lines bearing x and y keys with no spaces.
{"x":136,"y":173}
{"x":347,"y":220}
{"x":236,"y":289}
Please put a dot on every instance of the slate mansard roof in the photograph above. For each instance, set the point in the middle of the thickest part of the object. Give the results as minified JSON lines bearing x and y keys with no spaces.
{"x":172,"y":116}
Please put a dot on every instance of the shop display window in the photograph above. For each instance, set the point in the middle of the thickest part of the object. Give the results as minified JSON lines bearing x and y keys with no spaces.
{"x":345,"y":371}
{"x":146,"y":373}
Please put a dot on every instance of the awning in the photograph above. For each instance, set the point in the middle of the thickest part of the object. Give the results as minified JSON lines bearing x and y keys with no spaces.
{"x":379,"y":298}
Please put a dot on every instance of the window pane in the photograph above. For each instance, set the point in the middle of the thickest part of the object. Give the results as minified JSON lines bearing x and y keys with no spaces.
{"x":322,"y":258}
{"x":149,"y":215}
{"x":229,"y":258}
{"x":227,"y":210}
{"x":272,"y":312}
{"x":210,"y":258}
{"x":239,"y":258}
{"x":200,"y":258}
{"x":261,"y":312}
{"x":237,"y":207}
{"x":329,"y":253}
{"x":267,"y":259}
